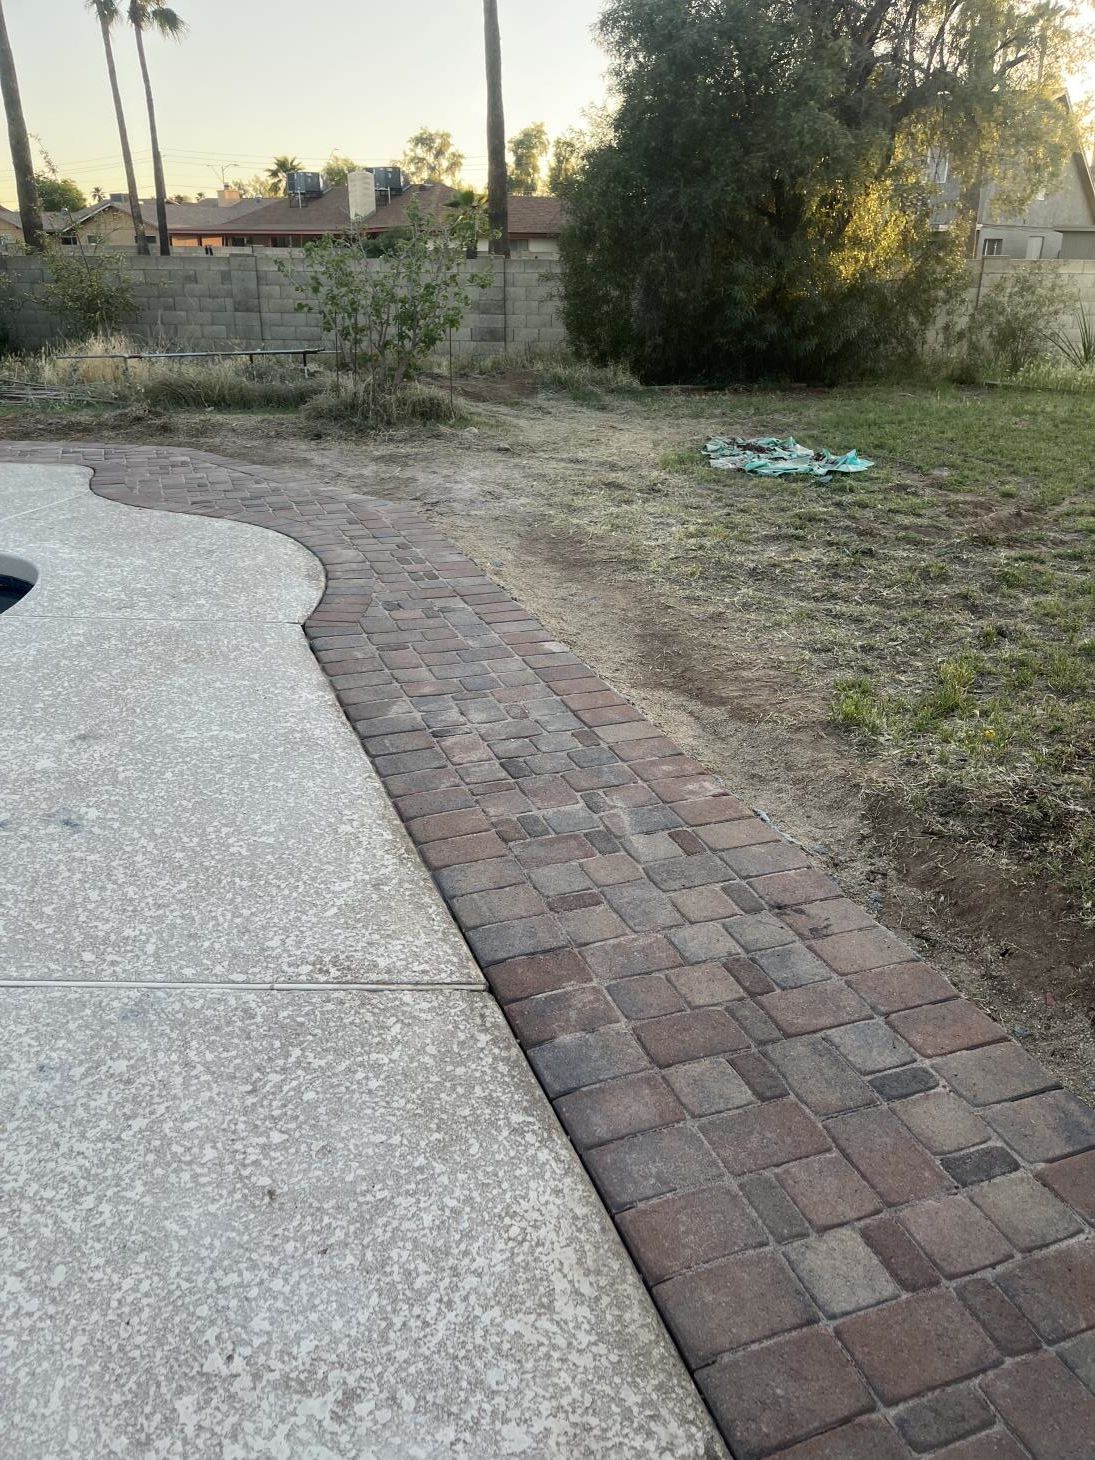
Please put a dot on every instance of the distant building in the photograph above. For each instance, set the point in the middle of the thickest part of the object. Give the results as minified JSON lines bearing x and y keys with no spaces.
{"x":288,"y":222}
{"x":1058,"y":223}
{"x":106,"y":224}
{"x":229,"y":221}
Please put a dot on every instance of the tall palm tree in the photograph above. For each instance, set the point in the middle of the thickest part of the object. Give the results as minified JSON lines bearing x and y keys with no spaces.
{"x":281,"y":169}
{"x":497,"y":181}
{"x":34,"y":235}
{"x":145,"y":15}
{"x":106,"y":13}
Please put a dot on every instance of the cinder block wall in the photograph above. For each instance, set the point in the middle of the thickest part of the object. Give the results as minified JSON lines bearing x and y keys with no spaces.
{"x":198,"y":302}
{"x":1076,"y":277}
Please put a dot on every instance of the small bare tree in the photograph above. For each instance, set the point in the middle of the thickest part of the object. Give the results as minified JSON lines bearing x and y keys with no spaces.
{"x":387,"y":315}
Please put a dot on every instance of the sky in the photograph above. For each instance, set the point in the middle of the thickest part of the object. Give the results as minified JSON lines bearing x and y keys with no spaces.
{"x":254,"y":78}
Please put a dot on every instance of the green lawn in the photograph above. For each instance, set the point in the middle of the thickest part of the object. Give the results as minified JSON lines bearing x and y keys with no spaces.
{"x":944,"y":600}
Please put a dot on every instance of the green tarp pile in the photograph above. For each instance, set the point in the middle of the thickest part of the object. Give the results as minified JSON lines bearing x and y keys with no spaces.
{"x":769,"y":456}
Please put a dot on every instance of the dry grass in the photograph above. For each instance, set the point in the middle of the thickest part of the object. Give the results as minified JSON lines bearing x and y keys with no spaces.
{"x":945,"y":600}
{"x":230,"y":383}
{"x":414,"y":405}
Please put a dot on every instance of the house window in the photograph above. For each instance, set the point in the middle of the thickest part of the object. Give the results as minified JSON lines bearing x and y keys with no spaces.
{"x":68,"y":240}
{"x":992,"y":248}
{"x":518,"y":245}
{"x":93,"y":239}
{"x":1036,"y":245}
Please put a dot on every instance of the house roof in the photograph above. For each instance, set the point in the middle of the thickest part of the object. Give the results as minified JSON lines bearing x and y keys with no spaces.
{"x":540,"y":217}
{"x":278,"y":217}
{"x":331,"y":212}
{"x":62,"y":219}
{"x":207,"y":215}
{"x":1079,"y":156}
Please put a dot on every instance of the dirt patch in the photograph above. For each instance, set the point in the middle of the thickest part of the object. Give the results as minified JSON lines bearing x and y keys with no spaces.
{"x":1005,"y":942}
{"x":737,"y":665}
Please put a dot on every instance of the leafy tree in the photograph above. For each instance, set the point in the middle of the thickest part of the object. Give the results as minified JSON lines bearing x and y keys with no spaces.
{"x":58,"y":194}
{"x":757,"y":204}
{"x":387,"y":317}
{"x":337,"y":169}
{"x":107,"y":13}
{"x":262,"y":185}
{"x":528,"y":150}
{"x":31,"y":219}
{"x":278,"y":173}
{"x":471,"y":207}
{"x":566,"y":154}
{"x":430,"y":157}
{"x":148,"y":15}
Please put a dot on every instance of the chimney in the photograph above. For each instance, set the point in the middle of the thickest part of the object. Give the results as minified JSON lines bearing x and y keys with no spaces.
{"x":362,"y":194}
{"x":227,"y":196}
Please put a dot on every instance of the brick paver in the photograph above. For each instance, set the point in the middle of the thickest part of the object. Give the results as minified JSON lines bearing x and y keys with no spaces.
{"x":863,"y":1210}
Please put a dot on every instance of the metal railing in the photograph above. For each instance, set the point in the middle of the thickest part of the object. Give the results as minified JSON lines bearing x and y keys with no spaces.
{"x":251,"y":355}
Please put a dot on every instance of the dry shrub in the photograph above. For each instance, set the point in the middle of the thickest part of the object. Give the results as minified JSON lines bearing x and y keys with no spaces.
{"x":413,"y":405}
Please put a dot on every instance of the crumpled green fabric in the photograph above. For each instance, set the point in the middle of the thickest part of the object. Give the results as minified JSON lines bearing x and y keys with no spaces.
{"x":770,"y":456}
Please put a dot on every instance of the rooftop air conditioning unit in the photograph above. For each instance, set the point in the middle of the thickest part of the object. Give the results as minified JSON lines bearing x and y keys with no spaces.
{"x":390,"y":180}
{"x":303,"y":185}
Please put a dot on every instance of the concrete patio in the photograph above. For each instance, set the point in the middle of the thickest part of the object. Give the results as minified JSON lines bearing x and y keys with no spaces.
{"x":277,"y":1179}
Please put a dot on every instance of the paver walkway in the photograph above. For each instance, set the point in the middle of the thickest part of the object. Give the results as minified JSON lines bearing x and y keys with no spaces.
{"x":275,"y":1179}
{"x":862,"y":1210}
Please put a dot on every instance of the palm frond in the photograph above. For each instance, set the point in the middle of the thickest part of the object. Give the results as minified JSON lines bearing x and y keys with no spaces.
{"x":147,"y":15}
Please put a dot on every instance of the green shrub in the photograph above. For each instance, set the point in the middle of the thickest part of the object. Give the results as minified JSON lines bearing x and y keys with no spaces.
{"x":89,"y":293}
{"x":1014,"y":324}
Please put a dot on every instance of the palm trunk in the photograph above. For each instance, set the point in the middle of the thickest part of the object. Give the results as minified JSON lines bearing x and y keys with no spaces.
{"x":157,"y":160}
{"x":34,"y":235}
{"x":497,"y":183}
{"x":123,"y":133}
